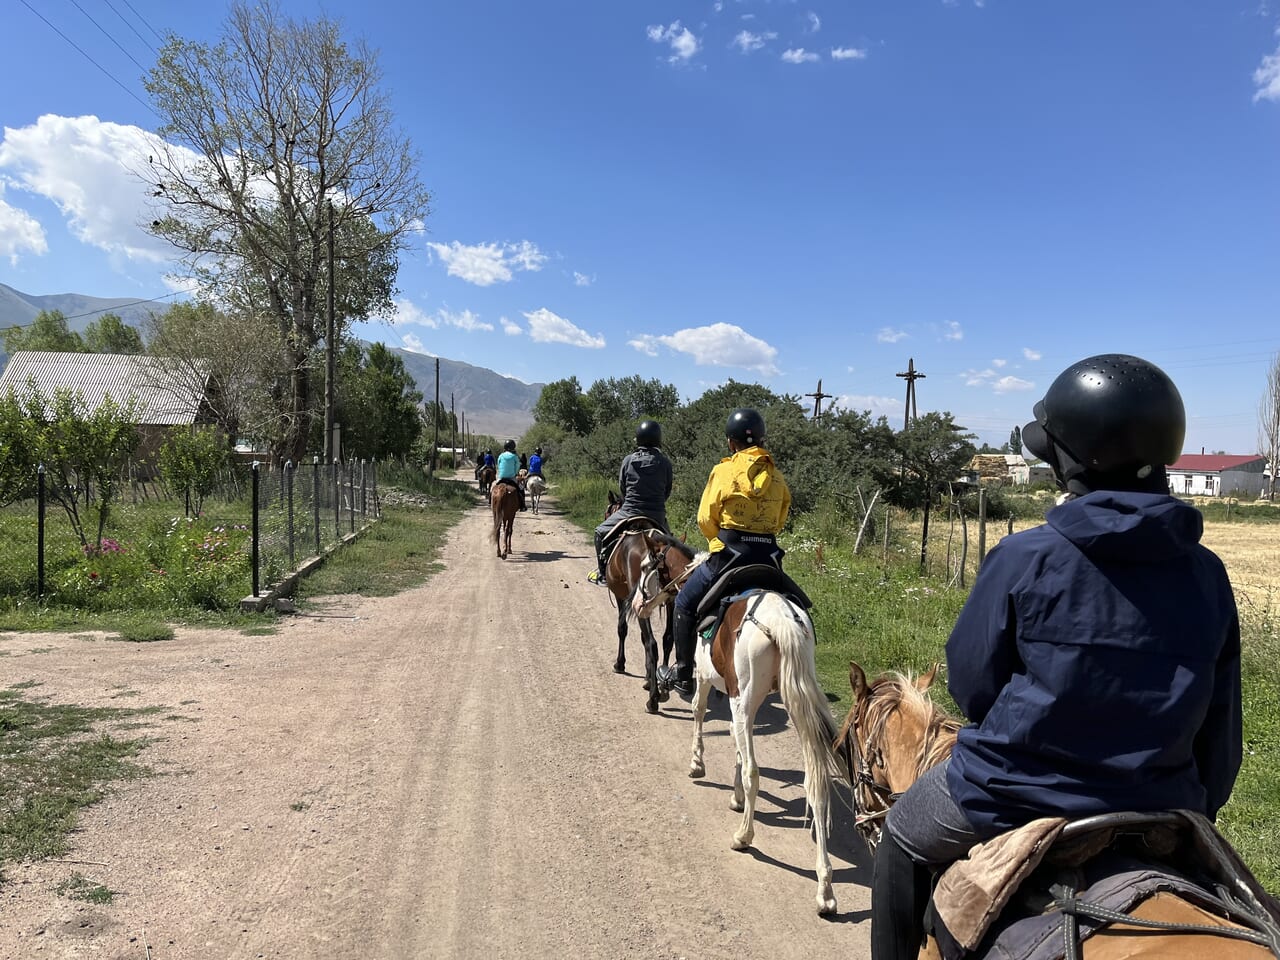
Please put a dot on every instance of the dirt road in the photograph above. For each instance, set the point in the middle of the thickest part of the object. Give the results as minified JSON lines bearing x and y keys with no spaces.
{"x":452,"y":772}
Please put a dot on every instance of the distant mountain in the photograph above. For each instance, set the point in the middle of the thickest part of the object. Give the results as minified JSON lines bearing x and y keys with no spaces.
{"x":493,"y":404}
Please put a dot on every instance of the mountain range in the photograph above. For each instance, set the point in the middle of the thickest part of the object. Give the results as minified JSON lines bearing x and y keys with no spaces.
{"x":492,"y":403}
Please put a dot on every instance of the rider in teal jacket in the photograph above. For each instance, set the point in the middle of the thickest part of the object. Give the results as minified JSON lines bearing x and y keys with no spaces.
{"x":508,"y":467}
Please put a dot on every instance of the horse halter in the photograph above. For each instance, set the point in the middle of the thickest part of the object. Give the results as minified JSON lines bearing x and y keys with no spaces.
{"x":871,"y":798}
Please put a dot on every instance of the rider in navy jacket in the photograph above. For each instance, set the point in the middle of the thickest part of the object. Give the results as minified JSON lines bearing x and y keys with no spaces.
{"x":1097,"y":656}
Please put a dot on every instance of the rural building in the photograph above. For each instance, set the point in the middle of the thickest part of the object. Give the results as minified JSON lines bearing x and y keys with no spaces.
{"x":163,"y":400}
{"x":999,"y":469}
{"x":1214,"y":475}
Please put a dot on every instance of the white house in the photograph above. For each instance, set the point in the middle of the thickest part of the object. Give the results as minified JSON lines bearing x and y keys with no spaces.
{"x":1213,"y":475}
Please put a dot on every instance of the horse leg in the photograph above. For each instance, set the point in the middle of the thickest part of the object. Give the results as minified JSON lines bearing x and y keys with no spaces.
{"x":650,"y":666}
{"x":697,"y":769}
{"x":668,"y":637}
{"x":743,"y":720}
{"x":620,"y":665}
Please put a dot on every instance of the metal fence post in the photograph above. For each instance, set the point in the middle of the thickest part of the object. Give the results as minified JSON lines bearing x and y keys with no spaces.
{"x":253,"y":550}
{"x":315,"y":499}
{"x":40,"y":532}
{"x":337,"y":504}
{"x":351,"y":492}
{"x":374,"y":465}
{"x":364,"y":500}
{"x":288,"y":484}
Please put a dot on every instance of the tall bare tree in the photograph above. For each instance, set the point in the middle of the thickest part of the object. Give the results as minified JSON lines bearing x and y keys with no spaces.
{"x":1269,"y":424}
{"x":277,"y":138}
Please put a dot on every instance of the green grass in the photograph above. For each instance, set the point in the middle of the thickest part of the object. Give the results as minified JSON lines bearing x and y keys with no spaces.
{"x":79,"y":887}
{"x":144,"y":630}
{"x":583,"y":499}
{"x":400,"y":551}
{"x":53,"y":761}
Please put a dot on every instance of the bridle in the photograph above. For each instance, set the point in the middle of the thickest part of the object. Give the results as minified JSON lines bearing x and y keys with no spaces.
{"x":872,"y":797}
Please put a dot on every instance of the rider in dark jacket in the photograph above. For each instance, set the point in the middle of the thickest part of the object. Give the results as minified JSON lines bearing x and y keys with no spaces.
{"x":645,"y":479}
{"x":1097,"y":657}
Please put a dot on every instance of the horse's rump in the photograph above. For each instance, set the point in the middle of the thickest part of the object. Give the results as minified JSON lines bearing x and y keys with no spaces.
{"x":536,"y":484}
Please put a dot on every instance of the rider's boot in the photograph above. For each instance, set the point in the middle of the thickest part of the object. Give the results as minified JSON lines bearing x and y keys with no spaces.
{"x":598,"y":575}
{"x":685,"y":638}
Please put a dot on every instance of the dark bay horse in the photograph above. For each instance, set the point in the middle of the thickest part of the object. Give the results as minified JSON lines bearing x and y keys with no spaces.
{"x":485,"y":477}
{"x":505,"y":501}
{"x":894,"y":732}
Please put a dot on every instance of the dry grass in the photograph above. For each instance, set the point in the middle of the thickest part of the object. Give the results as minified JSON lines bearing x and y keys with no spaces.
{"x":1251,"y":552}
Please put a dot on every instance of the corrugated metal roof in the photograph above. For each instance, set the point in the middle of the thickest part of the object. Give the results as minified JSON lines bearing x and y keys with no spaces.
{"x":161,"y":397}
{"x":1211,"y":463}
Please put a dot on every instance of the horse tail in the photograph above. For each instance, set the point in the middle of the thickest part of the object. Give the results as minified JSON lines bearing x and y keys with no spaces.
{"x":806,"y":703}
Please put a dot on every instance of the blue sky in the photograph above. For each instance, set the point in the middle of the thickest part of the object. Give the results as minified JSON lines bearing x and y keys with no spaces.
{"x":758,"y":189}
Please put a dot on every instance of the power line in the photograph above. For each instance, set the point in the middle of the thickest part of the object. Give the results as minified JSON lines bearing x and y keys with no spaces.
{"x":108,"y":73}
{"x":130,"y":26}
{"x":111,"y":309}
{"x":103,"y":29}
{"x":159,"y":36}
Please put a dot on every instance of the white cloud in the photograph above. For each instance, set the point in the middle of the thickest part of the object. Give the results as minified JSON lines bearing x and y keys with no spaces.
{"x":413,"y":344}
{"x":719,"y":5}
{"x":181,"y":284}
{"x":682,"y":42}
{"x":1267,"y":77}
{"x":466,"y":320}
{"x":19,"y":231}
{"x":86,"y":167}
{"x":407,"y":313}
{"x":815,"y":23}
{"x":509,"y":328}
{"x":546,"y":327}
{"x":485,"y":264}
{"x":746,"y":41}
{"x":720,"y":345}
{"x":952,"y":331}
{"x":582,"y":280}
{"x":890,"y":335}
{"x":1010,"y":384}
{"x":848,"y":53}
{"x":799,"y":55}
{"x":999,"y":363}
{"x":858,"y":402}
{"x":978,"y":378}
{"x":1030,"y":354}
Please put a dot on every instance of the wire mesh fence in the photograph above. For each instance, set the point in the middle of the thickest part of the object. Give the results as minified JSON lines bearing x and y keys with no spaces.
{"x":157,"y":546}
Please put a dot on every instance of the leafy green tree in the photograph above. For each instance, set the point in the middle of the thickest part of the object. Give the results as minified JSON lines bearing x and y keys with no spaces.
{"x":192,"y":461}
{"x":377,"y":403}
{"x":18,"y":460}
{"x":563,"y":404}
{"x":438,"y":415}
{"x":934,"y":449}
{"x":295,"y":142}
{"x":47,"y":332}
{"x":1015,"y":440}
{"x":81,"y":450}
{"x":632,"y":398}
{"x":110,"y":334}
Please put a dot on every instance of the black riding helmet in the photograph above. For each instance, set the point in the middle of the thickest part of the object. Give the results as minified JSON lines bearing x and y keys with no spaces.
{"x":746,"y":426}
{"x":510,"y":446}
{"x":537,"y":451}
{"x":649,"y":433}
{"x":1110,"y":422}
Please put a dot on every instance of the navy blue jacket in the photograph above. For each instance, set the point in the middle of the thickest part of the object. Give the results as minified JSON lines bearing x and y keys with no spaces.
{"x":1098,"y":658}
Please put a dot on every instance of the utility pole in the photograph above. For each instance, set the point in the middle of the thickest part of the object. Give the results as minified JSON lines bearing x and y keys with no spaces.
{"x":453,"y":418}
{"x":911,"y":376}
{"x":818,"y":397}
{"x":435,"y":415}
{"x":330,"y":352}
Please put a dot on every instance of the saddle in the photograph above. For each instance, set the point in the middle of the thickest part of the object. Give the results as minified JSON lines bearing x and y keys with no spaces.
{"x":737,"y":582}
{"x":614,"y":536}
{"x":1025,"y":894}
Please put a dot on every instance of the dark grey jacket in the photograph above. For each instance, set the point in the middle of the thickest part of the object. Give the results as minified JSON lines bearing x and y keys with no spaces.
{"x":645,"y":482}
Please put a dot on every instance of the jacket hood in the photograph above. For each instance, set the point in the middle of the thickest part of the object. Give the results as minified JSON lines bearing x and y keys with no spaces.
{"x":755,"y":476}
{"x":1136,"y":527}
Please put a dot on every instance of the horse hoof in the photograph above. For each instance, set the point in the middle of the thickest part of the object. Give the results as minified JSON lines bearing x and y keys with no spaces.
{"x":619,"y":668}
{"x":645,"y":685}
{"x":651,"y":707}
{"x":697,"y":773}
{"x":740,"y":844}
{"x":737,"y":806}
{"x":826,"y":905}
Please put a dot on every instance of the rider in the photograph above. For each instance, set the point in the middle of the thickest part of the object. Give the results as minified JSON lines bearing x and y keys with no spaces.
{"x":508,"y":467}
{"x":1097,"y":657}
{"x":744,"y":505}
{"x":645,"y":482}
{"x":535,"y":463}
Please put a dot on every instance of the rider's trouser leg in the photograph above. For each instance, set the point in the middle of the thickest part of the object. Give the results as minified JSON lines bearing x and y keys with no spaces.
{"x":899,"y":897}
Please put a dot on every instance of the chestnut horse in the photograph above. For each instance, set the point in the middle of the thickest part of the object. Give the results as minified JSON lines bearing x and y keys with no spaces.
{"x":765,"y":642}
{"x":505,"y":501}
{"x":894,"y":732}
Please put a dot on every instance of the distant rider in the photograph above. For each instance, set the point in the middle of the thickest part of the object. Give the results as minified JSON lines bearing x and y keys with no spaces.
{"x":645,"y":480}
{"x":535,"y":463}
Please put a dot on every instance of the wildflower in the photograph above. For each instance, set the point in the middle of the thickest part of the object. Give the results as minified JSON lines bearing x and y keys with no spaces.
{"x":93,"y":575}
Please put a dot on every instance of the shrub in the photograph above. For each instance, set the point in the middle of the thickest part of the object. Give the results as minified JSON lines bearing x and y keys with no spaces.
{"x":191,"y":462}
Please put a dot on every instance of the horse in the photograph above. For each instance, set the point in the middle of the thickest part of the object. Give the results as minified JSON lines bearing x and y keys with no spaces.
{"x":535,"y":486}
{"x":486,"y":477}
{"x":505,"y":501}
{"x":894,"y":732}
{"x":762,"y":641}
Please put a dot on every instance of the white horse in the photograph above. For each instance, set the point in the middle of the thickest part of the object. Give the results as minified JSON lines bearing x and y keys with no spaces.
{"x":535,"y":486}
{"x":765,"y":643}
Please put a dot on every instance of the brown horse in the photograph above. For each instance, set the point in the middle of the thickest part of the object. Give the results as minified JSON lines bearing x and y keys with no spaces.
{"x":894,"y":732}
{"x":505,"y":501}
{"x":485,"y":476}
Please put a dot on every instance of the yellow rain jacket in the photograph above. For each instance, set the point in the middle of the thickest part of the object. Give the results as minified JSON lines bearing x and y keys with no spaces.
{"x":744,"y":492}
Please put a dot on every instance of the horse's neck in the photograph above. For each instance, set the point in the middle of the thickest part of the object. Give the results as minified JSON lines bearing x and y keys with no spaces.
{"x":914,"y":740}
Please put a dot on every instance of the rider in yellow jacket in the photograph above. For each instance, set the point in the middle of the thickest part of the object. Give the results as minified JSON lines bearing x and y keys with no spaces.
{"x":744,"y":506}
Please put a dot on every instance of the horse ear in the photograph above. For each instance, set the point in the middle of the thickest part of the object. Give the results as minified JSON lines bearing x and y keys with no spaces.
{"x":925,"y":681}
{"x":857,"y":681}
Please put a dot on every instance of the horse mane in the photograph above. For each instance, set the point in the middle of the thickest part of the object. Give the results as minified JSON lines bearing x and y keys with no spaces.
{"x":897,"y":691}
{"x":670,"y":541}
